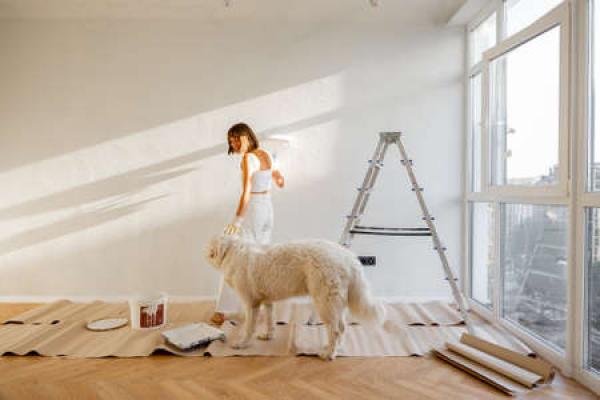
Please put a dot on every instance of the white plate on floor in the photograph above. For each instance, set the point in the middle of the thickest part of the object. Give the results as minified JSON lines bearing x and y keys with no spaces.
{"x":107,"y":324}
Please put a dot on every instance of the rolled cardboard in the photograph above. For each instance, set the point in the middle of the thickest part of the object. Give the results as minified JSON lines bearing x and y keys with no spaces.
{"x":482,"y":373}
{"x":518,"y":374}
{"x":534,"y":365}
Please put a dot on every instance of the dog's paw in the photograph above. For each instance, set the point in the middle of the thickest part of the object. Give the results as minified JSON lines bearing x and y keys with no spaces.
{"x":265,"y":336}
{"x":327,"y":355}
{"x":240,"y":345}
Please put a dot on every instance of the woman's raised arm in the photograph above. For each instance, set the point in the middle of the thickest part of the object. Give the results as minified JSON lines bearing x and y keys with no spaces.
{"x":278,"y":178}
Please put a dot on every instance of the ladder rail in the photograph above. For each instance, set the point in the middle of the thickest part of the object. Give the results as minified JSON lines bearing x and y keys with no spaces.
{"x":363,"y":195}
{"x":456,"y":292}
{"x":367,"y":181}
{"x":373,"y":179}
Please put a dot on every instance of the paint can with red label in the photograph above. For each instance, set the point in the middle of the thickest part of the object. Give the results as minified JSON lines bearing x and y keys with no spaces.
{"x":148,"y":311}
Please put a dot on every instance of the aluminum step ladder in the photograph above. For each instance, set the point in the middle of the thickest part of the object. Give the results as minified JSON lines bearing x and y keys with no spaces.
{"x":353,"y":228}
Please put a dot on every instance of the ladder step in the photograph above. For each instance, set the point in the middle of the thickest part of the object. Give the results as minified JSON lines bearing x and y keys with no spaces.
{"x":428,"y":218}
{"x":417,"y":189}
{"x":409,"y":162}
{"x":372,"y":230}
{"x":448,"y":279}
{"x":395,"y":229}
{"x":376,"y":163}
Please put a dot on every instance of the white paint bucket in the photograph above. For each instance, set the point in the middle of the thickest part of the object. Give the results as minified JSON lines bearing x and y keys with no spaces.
{"x":148,"y":311}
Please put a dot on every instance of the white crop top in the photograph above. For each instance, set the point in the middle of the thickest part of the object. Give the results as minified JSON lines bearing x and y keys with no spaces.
{"x":261,"y":180}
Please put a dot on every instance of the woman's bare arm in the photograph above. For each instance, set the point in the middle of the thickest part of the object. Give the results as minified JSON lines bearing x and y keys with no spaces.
{"x":278,"y":178}
{"x":246,"y":187}
{"x":234,"y":227}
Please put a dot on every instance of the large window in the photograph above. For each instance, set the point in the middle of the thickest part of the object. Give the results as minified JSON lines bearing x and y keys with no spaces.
{"x":537,"y":270}
{"x":519,"y":196}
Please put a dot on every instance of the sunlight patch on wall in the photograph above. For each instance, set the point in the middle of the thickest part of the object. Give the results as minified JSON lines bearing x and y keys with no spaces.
{"x":127,"y":186}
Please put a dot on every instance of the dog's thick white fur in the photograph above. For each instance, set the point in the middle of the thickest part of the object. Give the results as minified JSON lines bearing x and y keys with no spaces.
{"x":328,"y":272}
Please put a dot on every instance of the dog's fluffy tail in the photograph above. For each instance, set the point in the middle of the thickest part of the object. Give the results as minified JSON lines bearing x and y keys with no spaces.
{"x":360,"y":301}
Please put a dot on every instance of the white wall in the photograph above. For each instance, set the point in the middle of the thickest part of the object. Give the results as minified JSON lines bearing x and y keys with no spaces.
{"x":113,"y":167}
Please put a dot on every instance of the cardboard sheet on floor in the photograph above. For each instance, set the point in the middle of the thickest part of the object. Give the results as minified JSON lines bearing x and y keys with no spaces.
{"x":282,"y":343}
{"x":424,"y":314}
{"x":390,"y":340}
{"x":58,"y":329}
{"x":430,"y":313}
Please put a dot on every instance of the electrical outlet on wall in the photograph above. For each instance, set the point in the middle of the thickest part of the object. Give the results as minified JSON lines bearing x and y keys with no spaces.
{"x":367,"y":261}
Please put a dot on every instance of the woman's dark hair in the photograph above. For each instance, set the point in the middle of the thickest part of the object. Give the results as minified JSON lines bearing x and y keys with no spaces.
{"x":239,"y":130}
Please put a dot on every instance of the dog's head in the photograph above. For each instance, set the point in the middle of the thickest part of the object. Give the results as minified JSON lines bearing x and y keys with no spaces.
{"x":217,"y":249}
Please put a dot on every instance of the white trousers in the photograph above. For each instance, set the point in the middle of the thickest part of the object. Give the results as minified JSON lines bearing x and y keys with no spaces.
{"x":257,"y":226}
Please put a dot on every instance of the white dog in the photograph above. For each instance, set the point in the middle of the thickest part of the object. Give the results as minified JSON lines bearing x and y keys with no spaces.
{"x":329,"y":273}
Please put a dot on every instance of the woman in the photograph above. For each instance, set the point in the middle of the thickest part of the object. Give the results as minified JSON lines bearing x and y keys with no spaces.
{"x":254,"y":215}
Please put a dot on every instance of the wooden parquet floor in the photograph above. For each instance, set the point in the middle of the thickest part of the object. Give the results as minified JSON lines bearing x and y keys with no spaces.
{"x":171,"y":377}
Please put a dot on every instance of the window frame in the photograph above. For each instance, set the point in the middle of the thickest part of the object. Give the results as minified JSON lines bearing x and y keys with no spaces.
{"x":584,"y":199}
{"x":560,"y":194}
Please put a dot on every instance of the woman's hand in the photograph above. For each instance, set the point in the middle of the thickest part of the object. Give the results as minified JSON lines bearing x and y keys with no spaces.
{"x":231,"y":229}
{"x":234,"y":227}
{"x":278,"y":178}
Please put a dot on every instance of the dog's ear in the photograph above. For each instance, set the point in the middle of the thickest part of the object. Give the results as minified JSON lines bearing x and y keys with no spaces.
{"x":212,"y":251}
{"x":226,"y":242}
{"x":217,"y":249}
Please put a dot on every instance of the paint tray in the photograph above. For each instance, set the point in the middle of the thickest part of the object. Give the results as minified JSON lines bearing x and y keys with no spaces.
{"x":190,"y":336}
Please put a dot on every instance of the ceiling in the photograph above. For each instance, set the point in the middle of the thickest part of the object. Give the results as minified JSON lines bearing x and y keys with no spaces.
{"x":410,"y":12}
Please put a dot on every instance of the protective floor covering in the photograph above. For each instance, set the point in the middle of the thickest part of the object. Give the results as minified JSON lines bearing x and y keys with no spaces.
{"x":411,"y":329}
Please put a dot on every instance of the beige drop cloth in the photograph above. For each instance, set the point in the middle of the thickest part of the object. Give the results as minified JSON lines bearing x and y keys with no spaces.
{"x":58,"y":329}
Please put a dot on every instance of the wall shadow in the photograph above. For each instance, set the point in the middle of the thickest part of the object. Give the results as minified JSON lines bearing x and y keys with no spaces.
{"x":379,"y":91}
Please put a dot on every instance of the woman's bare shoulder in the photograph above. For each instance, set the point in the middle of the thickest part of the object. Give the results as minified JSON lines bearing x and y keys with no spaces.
{"x":251,"y":161}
